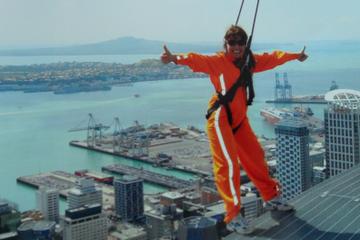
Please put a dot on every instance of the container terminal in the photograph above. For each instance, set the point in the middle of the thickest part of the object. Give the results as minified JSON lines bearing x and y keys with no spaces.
{"x":160,"y":179}
{"x":164,"y":145}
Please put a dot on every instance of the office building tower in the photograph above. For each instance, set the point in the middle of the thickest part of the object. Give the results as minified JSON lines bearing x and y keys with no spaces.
{"x":85,"y":223}
{"x":85,"y":193}
{"x":48,"y":203}
{"x":9,"y":217}
{"x":294,"y":168}
{"x":129,"y":198}
{"x":160,"y":222}
{"x":342,"y":123}
{"x":198,"y":227}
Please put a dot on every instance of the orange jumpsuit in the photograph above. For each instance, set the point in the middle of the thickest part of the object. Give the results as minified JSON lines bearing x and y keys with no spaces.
{"x":231,"y":150}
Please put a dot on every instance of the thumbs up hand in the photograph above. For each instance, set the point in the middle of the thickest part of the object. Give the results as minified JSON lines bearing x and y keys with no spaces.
{"x":303,"y":56}
{"x":167,"y":56}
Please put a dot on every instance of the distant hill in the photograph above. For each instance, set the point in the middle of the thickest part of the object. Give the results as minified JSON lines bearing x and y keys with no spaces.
{"x":126,"y":45}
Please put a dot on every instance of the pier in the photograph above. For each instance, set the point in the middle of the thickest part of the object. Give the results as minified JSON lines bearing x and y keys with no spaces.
{"x":59,"y":180}
{"x":63,"y":182}
{"x":167,"y":181}
{"x":298,"y":101}
{"x":165,"y":144}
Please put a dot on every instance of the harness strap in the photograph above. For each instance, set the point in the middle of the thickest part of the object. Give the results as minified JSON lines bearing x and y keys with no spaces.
{"x":226,"y":99}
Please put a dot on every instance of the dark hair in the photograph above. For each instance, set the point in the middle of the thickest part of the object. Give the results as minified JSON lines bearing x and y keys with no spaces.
{"x":246,"y":80}
{"x":235,"y":31}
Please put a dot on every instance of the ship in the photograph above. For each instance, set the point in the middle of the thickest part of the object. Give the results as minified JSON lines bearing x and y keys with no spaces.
{"x":274,"y":115}
{"x":97,"y":176}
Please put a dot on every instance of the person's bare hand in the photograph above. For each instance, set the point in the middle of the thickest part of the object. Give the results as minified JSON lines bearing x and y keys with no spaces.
{"x":303,"y":56}
{"x":167,"y":56}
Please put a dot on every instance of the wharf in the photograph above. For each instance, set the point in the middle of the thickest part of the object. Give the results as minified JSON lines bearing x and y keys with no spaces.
{"x":167,"y":181}
{"x":63,"y":182}
{"x":110,"y":151}
{"x":300,"y":101}
{"x":59,"y":180}
{"x":103,"y":149}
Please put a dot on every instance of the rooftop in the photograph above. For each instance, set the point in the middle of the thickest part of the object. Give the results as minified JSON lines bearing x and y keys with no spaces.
{"x":44,"y":225}
{"x":330,"y":210}
{"x":127,"y":178}
{"x":172,"y":195}
{"x":344,"y":98}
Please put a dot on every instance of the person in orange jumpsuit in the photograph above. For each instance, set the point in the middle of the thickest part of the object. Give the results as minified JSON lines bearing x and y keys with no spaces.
{"x":231,"y":149}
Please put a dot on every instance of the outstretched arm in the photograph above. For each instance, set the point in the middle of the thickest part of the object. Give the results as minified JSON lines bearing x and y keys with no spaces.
{"x":197,"y":62}
{"x":269,"y":61}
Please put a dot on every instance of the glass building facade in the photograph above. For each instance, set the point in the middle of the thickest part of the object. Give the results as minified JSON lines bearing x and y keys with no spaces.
{"x":294,"y":168}
{"x":129,"y":198}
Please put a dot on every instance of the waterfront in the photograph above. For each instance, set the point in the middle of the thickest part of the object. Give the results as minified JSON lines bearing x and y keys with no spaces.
{"x":34,"y":127}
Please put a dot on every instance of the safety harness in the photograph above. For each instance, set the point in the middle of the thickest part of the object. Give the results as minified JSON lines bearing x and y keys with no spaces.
{"x":244,"y":80}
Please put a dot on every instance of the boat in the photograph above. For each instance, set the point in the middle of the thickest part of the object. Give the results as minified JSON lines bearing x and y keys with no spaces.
{"x":274,"y":115}
{"x":97,"y":176}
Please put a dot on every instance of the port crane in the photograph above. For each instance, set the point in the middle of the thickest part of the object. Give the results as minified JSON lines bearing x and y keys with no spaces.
{"x":119,"y":136}
{"x":94,"y":131}
{"x":133,"y":140}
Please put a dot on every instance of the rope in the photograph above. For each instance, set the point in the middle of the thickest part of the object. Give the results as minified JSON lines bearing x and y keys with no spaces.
{"x":238,"y":16}
{"x":254,"y":20}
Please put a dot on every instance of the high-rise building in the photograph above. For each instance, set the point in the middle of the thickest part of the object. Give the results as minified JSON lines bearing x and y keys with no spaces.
{"x":85,"y":193}
{"x":342,"y":123}
{"x":161,"y":221}
{"x":48,"y":203}
{"x":294,"y":168}
{"x":85,"y":223}
{"x":198,"y":227}
{"x":129,"y":198}
{"x":10,"y":217}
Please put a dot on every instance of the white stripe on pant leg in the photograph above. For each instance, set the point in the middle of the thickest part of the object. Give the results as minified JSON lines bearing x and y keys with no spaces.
{"x":226,"y":154}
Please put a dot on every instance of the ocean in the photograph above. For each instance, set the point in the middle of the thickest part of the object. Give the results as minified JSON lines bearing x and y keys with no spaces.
{"x":34,"y":133}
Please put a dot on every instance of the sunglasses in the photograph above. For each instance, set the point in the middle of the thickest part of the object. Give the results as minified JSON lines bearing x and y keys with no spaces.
{"x":236,"y":42}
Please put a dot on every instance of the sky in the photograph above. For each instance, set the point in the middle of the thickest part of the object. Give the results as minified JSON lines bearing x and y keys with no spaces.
{"x":69,"y":22}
